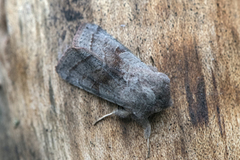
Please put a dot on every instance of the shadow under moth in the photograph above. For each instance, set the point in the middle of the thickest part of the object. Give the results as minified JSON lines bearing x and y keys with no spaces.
{"x":99,"y":64}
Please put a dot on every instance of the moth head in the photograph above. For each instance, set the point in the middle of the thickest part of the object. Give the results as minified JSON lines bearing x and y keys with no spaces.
{"x":162,"y":92}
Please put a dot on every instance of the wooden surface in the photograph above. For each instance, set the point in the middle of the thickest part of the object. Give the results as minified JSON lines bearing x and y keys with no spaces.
{"x":196,"y":43}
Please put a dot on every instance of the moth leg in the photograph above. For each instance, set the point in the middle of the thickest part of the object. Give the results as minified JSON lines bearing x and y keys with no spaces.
{"x":118,"y":112}
{"x":147,"y":132}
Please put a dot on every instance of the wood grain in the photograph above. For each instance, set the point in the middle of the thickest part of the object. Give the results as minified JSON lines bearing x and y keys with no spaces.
{"x":196,"y":43}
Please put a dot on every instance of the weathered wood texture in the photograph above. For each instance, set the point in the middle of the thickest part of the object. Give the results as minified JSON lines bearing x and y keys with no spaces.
{"x":196,"y":43}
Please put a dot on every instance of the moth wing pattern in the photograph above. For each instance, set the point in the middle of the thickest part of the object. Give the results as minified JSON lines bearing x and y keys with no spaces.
{"x":98,"y":41}
{"x":82,"y":68}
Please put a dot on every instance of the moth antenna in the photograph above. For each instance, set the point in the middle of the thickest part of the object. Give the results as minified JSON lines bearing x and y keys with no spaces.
{"x":107,"y":115}
{"x":118,"y":112}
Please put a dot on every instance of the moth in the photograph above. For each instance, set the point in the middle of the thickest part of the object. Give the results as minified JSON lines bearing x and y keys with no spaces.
{"x":99,"y":64}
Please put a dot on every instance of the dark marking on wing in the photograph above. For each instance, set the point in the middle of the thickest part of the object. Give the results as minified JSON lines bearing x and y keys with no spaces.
{"x":95,"y":86}
{"x":113,"y":60}
{"x":81,"y":61}
{"x":103,"y":84}
{"x":91,"y":43}
{"x":91,"y":74}
{"x":119,"y":50}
